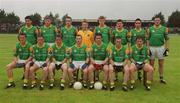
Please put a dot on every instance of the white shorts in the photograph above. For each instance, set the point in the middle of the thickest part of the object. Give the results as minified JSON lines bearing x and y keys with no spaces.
{"x":118,"y":64}
{"x":98,"y":62}
{"x":21,"y":61}
{"x":78,"y":64}
{"x":39,"y":63}
{"x":157,"y":52}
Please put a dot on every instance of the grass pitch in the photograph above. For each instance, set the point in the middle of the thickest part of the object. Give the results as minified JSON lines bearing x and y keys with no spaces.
{"x":169,"y":93}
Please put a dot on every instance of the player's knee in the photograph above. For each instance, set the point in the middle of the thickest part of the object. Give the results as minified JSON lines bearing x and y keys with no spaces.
{"x":111,"y":70}
{"x":45,"y":69}
{"x":65,"y":69}
{"x":127,"y":70}
{"x":131,"y":69}
{"x":85,"y":71}
{"x":105,"y":69}
{"x":31,"y":69}
{"x":70,"y":70}
{"x":151,"y":69}
{"x":8,"y":67}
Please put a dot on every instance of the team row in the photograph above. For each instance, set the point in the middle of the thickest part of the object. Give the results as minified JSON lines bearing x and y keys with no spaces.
{"x":108,"y":58}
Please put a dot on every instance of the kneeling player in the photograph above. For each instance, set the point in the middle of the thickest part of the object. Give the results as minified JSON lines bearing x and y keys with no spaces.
{"x":119,"y":62}
{"x":79,"y":61}
{"x":22,"y":58}
{"x":58,"y":61}
{"x":40,"y":53}
{"x":139,"y":58}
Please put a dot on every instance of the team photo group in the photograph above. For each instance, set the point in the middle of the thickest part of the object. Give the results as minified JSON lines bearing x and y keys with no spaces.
{"x":89,"y":56}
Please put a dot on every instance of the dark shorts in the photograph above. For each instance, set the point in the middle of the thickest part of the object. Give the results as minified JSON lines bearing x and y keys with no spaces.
{"x":20,"y":65}
{"x":118,"y":68}
{"x":140,"y":66}
{"x":58,"y":66}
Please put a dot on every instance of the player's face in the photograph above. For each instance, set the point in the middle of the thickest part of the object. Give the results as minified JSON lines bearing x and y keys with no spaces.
{"x":157,"y":21}
{"x":58,"y":40}
{"x":68,"y":21}
{"x":22,"y":38}
{"x":47,"y":22}
{"x":84,"y":25}
{"x":102,"y":21}
{"x":139,"y":41}
{"x":118,"y":41}
{"x":40,"y":40}
{"x":78,"y":39}
{"x":119,"y":25}
{"x":138,"y":24}
{"x":28,"y":22}
{"x":98,"y":39}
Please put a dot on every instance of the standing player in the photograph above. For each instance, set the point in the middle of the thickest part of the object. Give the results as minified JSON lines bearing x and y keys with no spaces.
{"x":48,"y":31}
{"x":40,"y":53}
{"x":103,"y":29}
{"x":68,"y":32}
{"x":119,"y":62}
{"x":87,"y":35}
{"x":158,"y":42}
{"x":139,"y":58}
{"x":138,"y":31}
{"x":100,"y":59}
{"x":21,"y":58}
{"x":80,"y":60}
{"x":30,"y":30}
{"x":58,"y":61}
{"x":120,"y":31}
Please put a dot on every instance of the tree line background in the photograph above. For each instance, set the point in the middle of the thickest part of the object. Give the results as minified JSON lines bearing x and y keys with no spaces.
{"x":10,"y":22}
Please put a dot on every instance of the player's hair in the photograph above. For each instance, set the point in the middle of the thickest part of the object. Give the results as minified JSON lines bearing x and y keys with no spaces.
{"x":28,"y":17}
{"x":48,"y":17}
{"x":68,"y":17}
{"x":138,"y":19}
{"x":40,"y":36}
{"x":140,"y":37}
{"x":59,"y":36}
{"x":118,"y":37}
{"x":21,"y":34}
{"x":102,"y":17}
{"x":156,"y":17}
{"x":79,"y":36}
{"x":84,"y":21}
{"x":97,"y":34}
{"x":119,"y":20}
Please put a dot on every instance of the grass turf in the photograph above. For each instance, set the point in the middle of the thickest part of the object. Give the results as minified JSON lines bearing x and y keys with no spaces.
{"x":159,"y":94}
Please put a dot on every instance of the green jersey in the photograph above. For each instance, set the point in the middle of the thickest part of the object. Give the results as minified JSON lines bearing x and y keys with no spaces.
{"x":157,"y":36}
{"x":68,"y":35}
{"x":30,"y":33}
{"x":99,"y":52}
{"x":123,"y":34}
{"x":59,"y":53}
{"x":135,"y":33}
{"x":119,"y":55}
{"x":23,"y":51}
{"x":79,"y":53}
{"x":139,"y":54}
{"x":105,"y":33}
{"x":40,"y":54}
{"x":49,"y":33}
